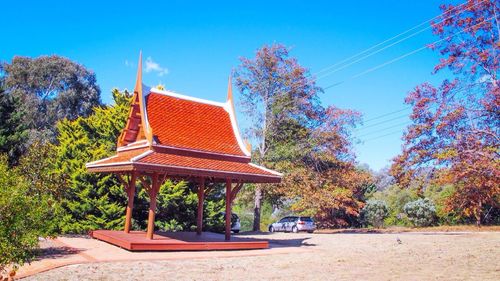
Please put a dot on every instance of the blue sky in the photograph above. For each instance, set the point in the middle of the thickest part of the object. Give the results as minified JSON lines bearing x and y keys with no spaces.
{"x":191,"y":47}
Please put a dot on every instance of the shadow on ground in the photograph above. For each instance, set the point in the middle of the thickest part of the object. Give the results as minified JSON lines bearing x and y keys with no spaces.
{"x":55,"y":252}
{"x":283,"y":243}
{"x":278,"y":242}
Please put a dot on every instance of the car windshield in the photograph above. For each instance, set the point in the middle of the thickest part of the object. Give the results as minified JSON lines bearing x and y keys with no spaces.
{"x":308,"y":219}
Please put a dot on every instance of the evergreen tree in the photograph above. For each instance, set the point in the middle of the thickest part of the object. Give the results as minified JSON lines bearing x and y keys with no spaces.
{"x":38,"y":93}
{"x":91,"y":201}
{"x":13,"y":133}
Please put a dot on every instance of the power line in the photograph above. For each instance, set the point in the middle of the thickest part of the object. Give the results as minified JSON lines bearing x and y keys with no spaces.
{"x":384,"y":129}
{"x":395,"y":132}
{"x":464,"y":88}
{"x":403,"y":56}
{"x":379,"y":123}
{"x":371,"y":54}
{"x":387,"y":114}
{"x":383,"y":42}
{"x":399,"y":124}
{"x":378,"y":137}
{"x":329,"y":71}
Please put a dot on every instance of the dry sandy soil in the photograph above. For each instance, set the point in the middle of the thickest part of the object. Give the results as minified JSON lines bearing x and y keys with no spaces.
{"x":324,"y":256}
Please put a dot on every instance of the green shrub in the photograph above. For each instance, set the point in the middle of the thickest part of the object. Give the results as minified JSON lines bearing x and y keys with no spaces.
{"x":23,"y":218}
{"x":396,"y":197}
{"x":421,"y":212}
{"x":172,"y":225}
{"x":439,"y":194}
{"x":374,"y":212}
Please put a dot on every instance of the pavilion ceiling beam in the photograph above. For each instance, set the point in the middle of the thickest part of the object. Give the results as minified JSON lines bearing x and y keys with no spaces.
{"x":145,"y":184}
{"x":163,"y":179}
{"x":123,"y":181}
{"x":235,"y":190}
{"x":209,"y":187}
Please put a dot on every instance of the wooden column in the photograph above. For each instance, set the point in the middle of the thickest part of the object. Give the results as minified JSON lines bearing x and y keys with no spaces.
{"x":130,"y":204}
{"x":153,"y":191}
{"x":228,"y":210}
{"x":201,"y":197}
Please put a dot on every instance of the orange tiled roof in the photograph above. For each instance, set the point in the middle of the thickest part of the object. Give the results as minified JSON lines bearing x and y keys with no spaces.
{"x":185,"y":136}
{"x":146,"y":157}
{"x":202,"y":163}
{"x":120,"y":157}
{"x":190,"y":124}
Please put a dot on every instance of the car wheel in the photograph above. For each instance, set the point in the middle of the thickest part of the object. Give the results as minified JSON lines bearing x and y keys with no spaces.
{"x":310,"y":231}
{"x":295,"y":229}
{"x":236,"y":231}
{"x":271,"y":229}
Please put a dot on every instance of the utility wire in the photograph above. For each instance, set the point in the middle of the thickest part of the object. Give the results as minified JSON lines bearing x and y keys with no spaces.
{"x":399,"y":131}
{"x":407,"y":122}
{"x":385,"y":129}
{"x":387,"y":114}
{"x":329,"y":70}
{"x":381,"y":122}
{"x":378,"y":137}
{"x":403,"y":56}
{"x":371,"y":54}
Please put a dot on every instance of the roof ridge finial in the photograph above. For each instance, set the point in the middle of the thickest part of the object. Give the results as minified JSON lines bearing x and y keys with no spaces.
{"x":138,"y":81}
{"x":148,"y":132}
{"x":230,"y":89}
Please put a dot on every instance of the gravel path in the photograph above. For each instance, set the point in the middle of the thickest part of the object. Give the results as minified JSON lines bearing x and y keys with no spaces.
{"x":341,"y":256}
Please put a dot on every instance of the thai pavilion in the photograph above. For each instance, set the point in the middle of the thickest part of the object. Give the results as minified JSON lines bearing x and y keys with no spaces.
{"x":168,"y":135}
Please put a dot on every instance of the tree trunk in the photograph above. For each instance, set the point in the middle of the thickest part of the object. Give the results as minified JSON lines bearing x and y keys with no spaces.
{"x":256,"y":209}
{"x":478,"y":214}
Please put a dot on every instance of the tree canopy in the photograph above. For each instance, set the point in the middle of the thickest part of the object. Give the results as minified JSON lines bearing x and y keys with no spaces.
{"x":454,"y":134}
{"x":295,"y":134}
{"x":42,"y":91}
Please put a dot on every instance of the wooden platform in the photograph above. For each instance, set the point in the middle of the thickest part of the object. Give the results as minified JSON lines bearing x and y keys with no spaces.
{"x":176,"y":241}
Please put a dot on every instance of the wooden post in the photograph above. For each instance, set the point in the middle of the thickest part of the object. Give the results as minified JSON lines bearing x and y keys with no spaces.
{"x":152,"y":205}
{"x":201,"y":195}
{"x":228,"y":210}
{"x":130,"y":204}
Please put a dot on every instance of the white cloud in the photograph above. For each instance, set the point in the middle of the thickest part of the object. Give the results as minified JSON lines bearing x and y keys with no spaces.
{"x":152,"y":66}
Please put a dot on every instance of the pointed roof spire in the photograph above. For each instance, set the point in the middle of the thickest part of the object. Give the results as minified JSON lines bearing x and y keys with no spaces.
{"x":232,"y":112}
{"x":230,"y":98}
{"x":138,"y":80}
{"x":230,"y":89}
{"x":142,"y":102}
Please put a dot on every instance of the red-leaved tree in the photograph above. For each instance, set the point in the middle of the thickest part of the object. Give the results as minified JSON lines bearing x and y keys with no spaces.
{"x":455,"y":128}
{"x":296,"y":135}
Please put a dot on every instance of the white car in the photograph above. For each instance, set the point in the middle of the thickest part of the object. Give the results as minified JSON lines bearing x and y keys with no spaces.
{"x":293,"y":224}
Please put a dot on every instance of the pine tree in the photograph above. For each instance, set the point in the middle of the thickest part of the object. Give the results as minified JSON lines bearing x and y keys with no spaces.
{"x":91,"y":201}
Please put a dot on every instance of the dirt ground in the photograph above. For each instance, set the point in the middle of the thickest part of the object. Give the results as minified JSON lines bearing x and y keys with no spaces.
{"x":325,"y":256}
